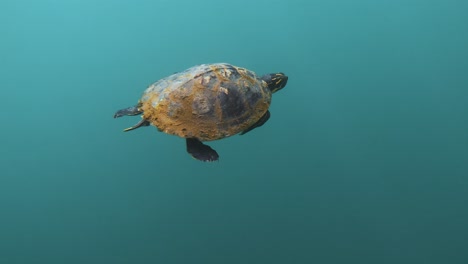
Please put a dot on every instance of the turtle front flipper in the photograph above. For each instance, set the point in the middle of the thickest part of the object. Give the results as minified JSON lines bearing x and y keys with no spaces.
{"x":259,"y":123}
{"x":129,"y":111}
{"x":200,"y":151}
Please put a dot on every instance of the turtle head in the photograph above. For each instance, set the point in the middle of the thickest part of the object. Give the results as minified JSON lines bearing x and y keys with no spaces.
{"x":275,"y":81}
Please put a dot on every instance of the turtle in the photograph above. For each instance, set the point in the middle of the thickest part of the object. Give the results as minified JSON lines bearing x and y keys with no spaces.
{"x":207,"y":102}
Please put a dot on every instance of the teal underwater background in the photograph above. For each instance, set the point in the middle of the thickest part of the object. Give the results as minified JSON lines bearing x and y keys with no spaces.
{"x":364,"y":160}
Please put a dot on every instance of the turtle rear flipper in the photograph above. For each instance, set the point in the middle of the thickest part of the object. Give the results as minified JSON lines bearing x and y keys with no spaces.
{"x":142,"y":123}
{"x":200,"y":151}
{"x":259,"y":123}
{"x":129,"y":111}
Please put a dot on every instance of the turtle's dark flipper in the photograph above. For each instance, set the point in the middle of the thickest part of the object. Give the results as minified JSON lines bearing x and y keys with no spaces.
{"x":130,"y":111}
{"x":259,"y":123}
{"x":200,"y":151}
{"x":142,"y":123}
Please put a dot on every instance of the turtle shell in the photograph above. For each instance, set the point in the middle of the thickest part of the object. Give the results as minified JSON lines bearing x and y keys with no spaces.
{"x":207,"y":102}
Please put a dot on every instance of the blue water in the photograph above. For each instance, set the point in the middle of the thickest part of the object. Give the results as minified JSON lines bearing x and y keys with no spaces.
{"x":364,"y":158}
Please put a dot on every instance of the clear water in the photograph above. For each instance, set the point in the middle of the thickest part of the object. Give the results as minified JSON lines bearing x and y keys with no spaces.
{"x":364,"y":160}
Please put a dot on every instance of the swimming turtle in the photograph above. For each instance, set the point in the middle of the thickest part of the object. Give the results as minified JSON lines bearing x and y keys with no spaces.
{"x":207,"y":102}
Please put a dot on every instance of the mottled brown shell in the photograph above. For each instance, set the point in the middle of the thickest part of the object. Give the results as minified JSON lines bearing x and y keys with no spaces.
{"x":207,"y":102}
